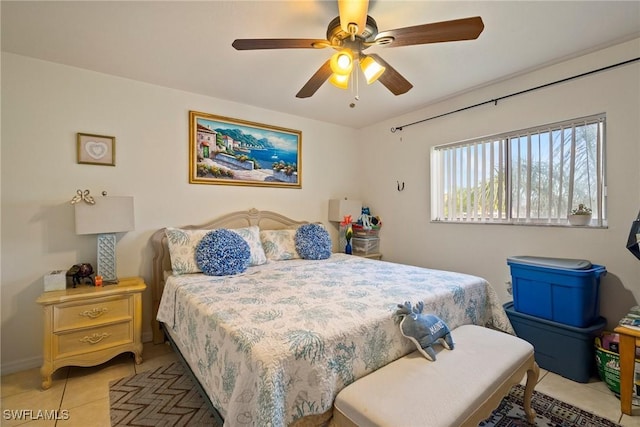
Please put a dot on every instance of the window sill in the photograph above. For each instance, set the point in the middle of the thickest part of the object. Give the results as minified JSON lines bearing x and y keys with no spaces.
{"x":526,"y":224}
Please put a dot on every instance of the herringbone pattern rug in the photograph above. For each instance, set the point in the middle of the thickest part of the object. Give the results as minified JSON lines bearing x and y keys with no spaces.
{"x":164,"y":396}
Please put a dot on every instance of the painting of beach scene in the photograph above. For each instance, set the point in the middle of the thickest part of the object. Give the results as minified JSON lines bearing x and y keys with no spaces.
{"x":237,"y":152}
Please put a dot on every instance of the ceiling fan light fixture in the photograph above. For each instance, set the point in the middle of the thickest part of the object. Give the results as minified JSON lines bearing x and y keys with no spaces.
{"x":342,"y":62}
{"x":371,"y":69}
{"x":340,"y":80}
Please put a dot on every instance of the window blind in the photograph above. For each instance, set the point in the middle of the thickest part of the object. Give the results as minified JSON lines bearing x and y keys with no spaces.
{"x":532,"y":176}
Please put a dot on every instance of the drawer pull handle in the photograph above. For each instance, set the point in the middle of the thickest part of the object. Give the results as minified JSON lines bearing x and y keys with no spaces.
{"x":94,"y":313}
{"x":95,"y":338}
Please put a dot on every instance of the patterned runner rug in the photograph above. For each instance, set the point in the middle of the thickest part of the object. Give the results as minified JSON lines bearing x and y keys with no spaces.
{"x":166,"y":396}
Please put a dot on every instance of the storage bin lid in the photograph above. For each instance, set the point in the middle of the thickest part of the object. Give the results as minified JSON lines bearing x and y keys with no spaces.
{"x":567,"y":263}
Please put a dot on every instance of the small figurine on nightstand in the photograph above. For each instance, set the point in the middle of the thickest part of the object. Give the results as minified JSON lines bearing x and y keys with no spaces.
{"x":79,"y":272}
{"x":365,"y":218}
{"x":367,"y":221}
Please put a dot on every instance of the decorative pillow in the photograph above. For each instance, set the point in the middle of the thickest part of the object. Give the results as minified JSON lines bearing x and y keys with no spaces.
{"x":279,"y":245}
{"x":182,"y":248}
{"x":183,"y":243}
{"x":222,"y":252}
{"x":423,"y":330}
{"x":313,"y":242}
{"x":252,"y":236}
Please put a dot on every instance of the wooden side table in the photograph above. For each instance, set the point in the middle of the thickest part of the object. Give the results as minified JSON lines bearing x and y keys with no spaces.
{"x":88,"y":325}
{"x":629,"y":339}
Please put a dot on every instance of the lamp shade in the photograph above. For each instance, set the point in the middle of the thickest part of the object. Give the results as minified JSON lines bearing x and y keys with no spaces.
{"x":340,"y":80}
{"x":107,"y":215}
{"x":371,"y":69}
{"x":342,"y":62}
{"x":339,"y":208}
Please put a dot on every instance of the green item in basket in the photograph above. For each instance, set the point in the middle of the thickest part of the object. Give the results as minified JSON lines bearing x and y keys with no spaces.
{"x":608,"y":364}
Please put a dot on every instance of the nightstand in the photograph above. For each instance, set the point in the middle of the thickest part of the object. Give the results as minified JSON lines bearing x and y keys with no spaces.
{"x":88,"y":325}
{"x":377,"y":256}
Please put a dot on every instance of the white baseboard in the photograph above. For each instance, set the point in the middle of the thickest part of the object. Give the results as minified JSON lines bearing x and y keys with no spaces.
{"x":21,"y":365}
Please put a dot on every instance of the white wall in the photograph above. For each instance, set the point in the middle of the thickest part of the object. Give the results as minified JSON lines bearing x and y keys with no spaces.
{"x":408,"y":235}
{"x":45,"y":104}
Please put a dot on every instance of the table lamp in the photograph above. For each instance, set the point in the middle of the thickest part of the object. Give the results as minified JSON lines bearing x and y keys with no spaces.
{"x":107,"y":216}
{"x":339,"y":208}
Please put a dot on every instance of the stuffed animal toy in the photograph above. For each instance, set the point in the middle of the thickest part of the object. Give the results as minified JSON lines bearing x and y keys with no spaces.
{"x":365,"y":218}
{"x":423,"y":330}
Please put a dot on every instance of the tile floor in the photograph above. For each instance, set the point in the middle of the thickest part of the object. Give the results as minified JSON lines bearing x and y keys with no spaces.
{"x":83,"y":393}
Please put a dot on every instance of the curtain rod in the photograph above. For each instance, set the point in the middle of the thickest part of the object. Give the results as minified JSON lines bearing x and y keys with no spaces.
{"x":495,"y":100}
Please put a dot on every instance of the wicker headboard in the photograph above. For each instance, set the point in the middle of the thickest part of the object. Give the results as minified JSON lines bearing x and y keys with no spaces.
{"x":266,"y":220}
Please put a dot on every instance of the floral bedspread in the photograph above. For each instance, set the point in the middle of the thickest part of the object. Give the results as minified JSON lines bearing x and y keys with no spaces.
{"x":279,"y":341}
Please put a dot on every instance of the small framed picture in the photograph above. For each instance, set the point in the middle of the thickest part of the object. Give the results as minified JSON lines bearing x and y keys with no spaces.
{"x":96,"y":149}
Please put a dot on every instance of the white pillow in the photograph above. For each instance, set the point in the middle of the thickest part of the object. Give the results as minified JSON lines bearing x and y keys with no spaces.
{"x":279,"y":245}
{"x":182,"y":248}
{"x":252,"y":236}
{"x":183,"y":244}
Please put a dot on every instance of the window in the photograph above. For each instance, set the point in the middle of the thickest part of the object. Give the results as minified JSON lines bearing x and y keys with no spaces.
{"x":531,"y":176}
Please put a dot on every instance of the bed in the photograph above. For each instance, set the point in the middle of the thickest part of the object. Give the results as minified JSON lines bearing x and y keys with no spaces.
{"x":275,"y":344}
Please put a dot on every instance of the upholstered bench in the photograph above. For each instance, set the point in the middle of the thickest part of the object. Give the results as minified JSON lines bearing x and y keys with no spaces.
{"x":461,"y":388}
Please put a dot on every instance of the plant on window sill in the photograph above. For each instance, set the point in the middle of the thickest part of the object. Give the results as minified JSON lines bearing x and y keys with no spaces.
{"x":580,"y":216}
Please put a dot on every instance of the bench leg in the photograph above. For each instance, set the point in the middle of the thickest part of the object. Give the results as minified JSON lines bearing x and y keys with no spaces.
{"x":532,"y":379}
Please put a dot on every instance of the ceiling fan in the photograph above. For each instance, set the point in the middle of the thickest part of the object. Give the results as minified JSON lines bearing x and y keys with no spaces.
{"x":352,"y":32}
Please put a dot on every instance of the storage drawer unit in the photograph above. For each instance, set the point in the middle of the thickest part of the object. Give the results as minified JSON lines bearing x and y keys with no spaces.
{"x":365,"y":246}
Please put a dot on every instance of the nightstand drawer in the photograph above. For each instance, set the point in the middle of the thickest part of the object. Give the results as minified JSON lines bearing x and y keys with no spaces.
{"x":93,"y":339}
{"x":96,"y":312}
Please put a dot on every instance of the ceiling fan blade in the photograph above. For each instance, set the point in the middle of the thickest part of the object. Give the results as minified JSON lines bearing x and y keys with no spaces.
{"x":437,"y":32}
{"x":253,"y":44}
{"x":392,"y":79}
{"x":353,"y":12}
{"x":314,"y":83}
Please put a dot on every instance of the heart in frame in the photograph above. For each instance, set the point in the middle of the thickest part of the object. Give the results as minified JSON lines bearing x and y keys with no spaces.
{"x":97,"y":150}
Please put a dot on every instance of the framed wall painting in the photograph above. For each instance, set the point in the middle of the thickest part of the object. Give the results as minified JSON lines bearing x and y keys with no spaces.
{"x":96,"y":149}
{"x":230,"y":151}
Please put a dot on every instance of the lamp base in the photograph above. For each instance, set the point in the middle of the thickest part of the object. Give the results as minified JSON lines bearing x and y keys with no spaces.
{"x":107,"y":257}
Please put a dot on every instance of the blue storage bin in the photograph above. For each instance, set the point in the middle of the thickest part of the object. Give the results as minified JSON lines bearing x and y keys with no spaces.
{"x":559,"y":348}
{"x":562,"y":290}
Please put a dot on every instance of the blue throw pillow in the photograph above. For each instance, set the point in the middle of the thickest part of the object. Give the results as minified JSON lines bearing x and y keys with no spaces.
{"x":313,"y":242}
{"x":222,"y":252}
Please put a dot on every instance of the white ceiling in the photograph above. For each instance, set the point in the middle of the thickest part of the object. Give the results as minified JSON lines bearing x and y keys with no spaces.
{"x":187,"y":45}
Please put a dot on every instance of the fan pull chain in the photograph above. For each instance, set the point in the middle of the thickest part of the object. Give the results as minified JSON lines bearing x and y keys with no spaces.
{"x":356,"y":80}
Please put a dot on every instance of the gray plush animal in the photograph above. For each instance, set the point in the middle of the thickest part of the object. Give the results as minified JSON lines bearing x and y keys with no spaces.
{"x":423,"y":330}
